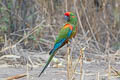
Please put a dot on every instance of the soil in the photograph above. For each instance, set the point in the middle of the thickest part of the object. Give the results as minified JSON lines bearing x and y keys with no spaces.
{"x":91,"y":69}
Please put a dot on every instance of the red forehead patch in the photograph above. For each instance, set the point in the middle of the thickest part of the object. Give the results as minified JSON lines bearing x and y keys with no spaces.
{"x":67,"y":14}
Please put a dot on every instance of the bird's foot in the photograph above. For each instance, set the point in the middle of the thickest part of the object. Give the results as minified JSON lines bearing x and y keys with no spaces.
{"x":68,"y":45}
{"x":70,"y":40}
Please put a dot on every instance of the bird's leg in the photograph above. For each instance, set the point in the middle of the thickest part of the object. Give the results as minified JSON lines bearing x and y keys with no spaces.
{"x":69,"y":42}
{"x":68,"y":45}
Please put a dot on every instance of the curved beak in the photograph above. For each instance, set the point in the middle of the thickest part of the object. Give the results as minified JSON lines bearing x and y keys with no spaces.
{"x":66,"y":18}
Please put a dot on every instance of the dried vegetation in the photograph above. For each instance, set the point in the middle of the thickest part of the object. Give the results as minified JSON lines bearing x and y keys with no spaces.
{"x":28,"y":29}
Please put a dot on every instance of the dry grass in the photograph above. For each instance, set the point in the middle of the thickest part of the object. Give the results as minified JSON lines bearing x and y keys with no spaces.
{"x":98,"y":31}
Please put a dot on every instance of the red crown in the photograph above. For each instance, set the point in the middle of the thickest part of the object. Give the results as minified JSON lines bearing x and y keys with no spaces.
{"x":67,"y":14}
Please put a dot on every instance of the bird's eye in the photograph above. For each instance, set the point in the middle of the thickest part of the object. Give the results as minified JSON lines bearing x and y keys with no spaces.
{"x":66,"y":18}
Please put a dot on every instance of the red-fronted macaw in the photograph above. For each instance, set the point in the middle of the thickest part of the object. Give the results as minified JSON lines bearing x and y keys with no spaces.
{"x":67,"y":32}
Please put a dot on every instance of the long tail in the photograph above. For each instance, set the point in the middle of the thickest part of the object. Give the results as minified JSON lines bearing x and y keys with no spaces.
{"x":52,"y":52}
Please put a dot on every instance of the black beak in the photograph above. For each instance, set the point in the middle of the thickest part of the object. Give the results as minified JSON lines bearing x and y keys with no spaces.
{"x":67,"y":18}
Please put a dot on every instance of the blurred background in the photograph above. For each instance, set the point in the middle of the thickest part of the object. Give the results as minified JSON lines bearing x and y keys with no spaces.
{"x":28,"y":29}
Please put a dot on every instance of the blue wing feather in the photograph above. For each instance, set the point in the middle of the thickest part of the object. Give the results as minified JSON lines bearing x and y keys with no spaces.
{"x":69,"y":33}
{"x":58,"y":44}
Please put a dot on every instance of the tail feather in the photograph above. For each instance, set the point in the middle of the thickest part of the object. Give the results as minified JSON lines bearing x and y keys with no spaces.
{"x":52,"y":52}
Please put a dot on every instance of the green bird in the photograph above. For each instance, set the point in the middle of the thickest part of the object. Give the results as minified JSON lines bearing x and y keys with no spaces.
{"x":67,"y":32}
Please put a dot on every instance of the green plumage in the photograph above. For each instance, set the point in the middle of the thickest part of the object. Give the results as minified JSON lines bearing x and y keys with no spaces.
{"x":67,"y":32}
{"x":62,"y":34}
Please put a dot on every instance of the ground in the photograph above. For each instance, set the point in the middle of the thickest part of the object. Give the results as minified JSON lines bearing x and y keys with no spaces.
{"x":92,"y":69}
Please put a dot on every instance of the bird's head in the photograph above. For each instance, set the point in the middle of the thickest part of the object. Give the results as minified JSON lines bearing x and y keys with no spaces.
{"x":70,"y":17}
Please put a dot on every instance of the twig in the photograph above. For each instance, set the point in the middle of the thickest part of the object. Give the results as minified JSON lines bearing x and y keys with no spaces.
{"x":27,"y":71}
{"x":98,"y":76}
{"x":16,"y":76}
{"x":115,"y":71}
{"x":76,"y":64}
{"x":90,"y":27}
{"x":109,"y":71}
{"x":30,"y":33}
{"x":81,"y":63}
{"x":83,"y":31}
{"x":68,"y":63}
{"x":66,"y":5}
{"x":52,"y":4}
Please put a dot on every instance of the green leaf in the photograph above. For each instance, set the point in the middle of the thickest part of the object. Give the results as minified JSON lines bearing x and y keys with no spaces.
{"x":3,"y":28}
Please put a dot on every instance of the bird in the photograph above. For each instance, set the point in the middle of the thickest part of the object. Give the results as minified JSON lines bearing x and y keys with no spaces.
{"x":65,"y":35}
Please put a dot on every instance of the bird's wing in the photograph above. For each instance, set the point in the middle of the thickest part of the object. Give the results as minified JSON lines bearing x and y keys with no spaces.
{"x":63,"y":35}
